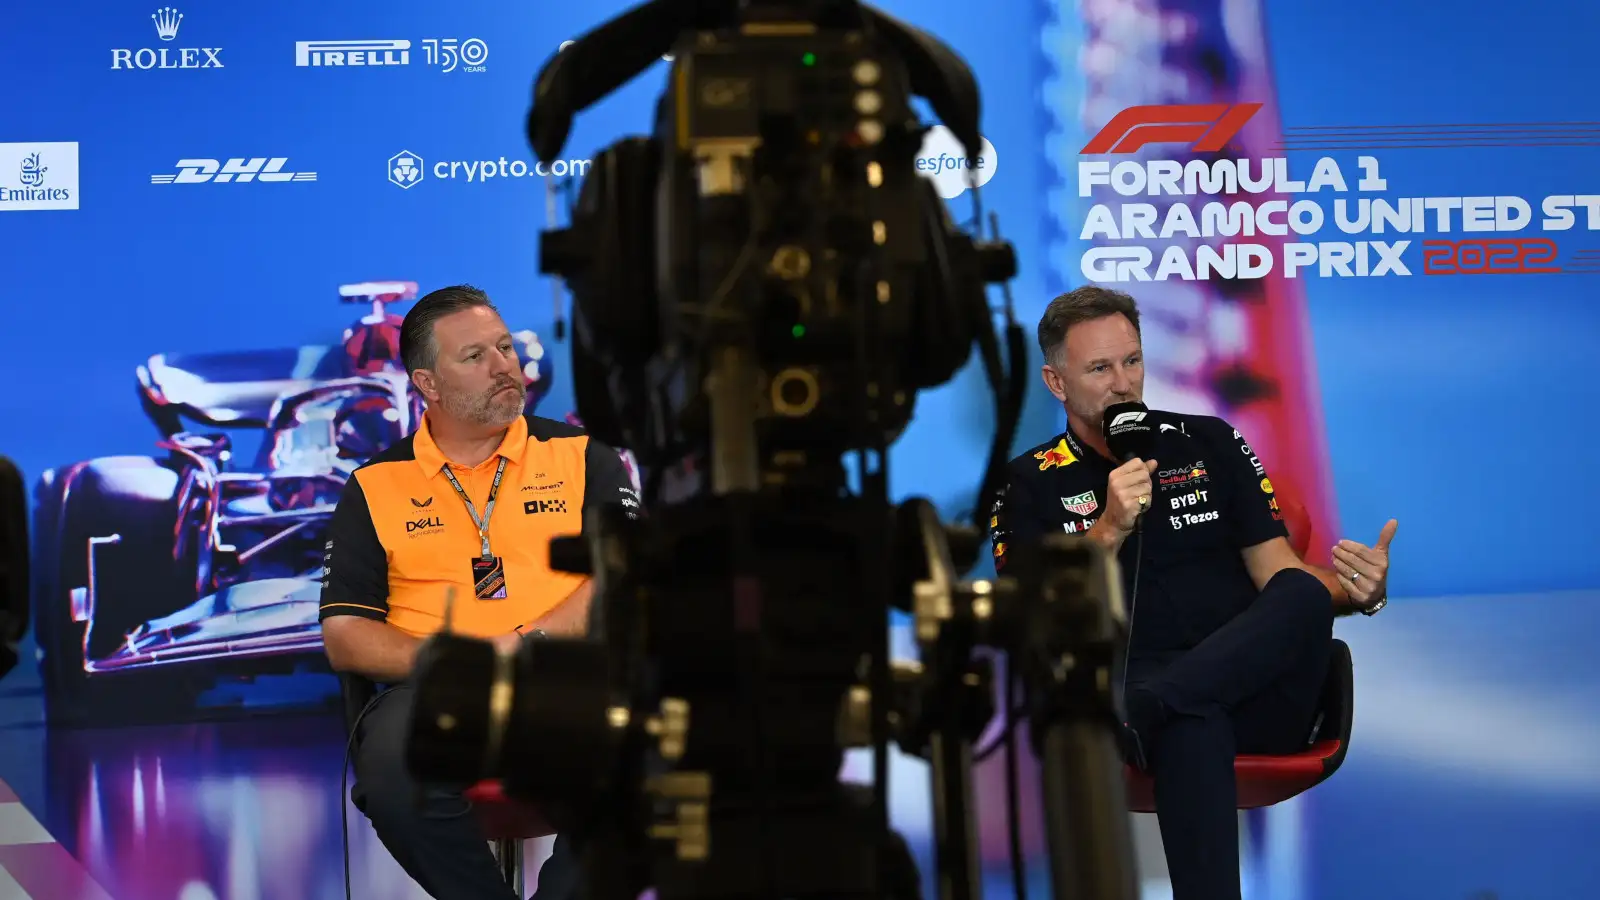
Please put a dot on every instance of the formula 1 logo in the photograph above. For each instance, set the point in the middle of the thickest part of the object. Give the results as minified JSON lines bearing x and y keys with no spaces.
{"x":1206,"y":127}
{"x":259,"y":168}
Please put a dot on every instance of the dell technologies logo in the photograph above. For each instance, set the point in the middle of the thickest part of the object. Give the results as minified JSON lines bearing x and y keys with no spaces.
{"x":167,"y":21}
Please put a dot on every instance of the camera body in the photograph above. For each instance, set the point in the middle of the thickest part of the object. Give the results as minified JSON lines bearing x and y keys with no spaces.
{"x":760,"y":288}
{"x":765,"y":284}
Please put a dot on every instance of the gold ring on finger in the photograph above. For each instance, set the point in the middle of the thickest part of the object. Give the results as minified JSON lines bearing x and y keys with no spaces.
{"x":1144,"y":502}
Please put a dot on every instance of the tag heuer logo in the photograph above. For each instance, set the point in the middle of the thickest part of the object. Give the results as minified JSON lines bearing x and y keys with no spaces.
{"x":1082,"y":504}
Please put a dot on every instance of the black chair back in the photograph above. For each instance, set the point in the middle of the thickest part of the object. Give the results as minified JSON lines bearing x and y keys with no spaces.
{"x":357,"y":692}
{"x":1338,"y":704}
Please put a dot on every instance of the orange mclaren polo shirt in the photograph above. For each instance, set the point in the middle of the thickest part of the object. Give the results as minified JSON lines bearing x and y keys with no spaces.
{"x":402,"y":535}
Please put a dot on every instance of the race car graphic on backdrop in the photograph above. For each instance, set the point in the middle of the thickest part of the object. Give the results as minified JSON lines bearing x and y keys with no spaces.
{"x":203,"y":560}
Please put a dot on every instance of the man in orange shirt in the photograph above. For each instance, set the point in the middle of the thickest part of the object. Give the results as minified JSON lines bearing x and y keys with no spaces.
{"x":470,"y":502}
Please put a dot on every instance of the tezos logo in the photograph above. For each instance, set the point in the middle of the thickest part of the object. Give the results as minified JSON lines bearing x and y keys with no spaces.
{"x":944,"y":161}
{"x":39,"y":176}
{"x":1182,"y":519}
{"x":405,"y":169}
{"x":167,"y":21}
{"x":237,"y":169}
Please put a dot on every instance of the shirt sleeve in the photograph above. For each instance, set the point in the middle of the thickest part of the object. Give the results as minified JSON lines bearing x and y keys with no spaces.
{"x":1015,"y":516}
{"x":1253,"y":515}
{"x":355,"y":567}
{"x":606,"y":483}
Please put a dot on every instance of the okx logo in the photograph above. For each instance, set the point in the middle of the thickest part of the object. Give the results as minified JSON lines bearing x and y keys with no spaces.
{"x":1205,"y":127}
{"x":944,"y":161}
{"x":237,"y":170}
{"x":167,"y":21}
{"x":534,"y":507}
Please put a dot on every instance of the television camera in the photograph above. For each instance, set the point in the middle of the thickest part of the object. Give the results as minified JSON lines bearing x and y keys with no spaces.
{"x":760,"y":289}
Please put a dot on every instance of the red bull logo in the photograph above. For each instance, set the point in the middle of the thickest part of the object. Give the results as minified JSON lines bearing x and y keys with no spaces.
{"x":1059,"y":455}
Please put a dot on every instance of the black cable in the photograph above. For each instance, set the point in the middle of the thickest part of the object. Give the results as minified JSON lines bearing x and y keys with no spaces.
{"x":344,"y":786}
{"x":1019,"y":870}
{"x":1127,"y":650}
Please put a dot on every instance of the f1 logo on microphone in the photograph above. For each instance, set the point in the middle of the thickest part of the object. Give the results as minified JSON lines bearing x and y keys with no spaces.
{"x":1206,"y":127}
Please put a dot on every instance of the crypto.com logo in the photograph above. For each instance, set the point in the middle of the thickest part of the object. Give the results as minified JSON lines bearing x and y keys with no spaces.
{"x":1205,"y":127}
{"x":405,"y":169}
{"x":943,"y":161}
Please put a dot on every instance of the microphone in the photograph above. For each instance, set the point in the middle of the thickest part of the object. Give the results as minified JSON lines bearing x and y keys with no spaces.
{"x":1129,"y":434}
{"x":1129,"y":431}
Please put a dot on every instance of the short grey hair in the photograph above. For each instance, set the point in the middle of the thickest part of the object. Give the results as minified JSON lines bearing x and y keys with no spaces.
{"x":418,"y":348}
{"x":1082,"y":304}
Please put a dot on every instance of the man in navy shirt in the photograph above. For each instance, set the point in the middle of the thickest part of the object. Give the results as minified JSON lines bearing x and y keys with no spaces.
{"x":1230,"y":630}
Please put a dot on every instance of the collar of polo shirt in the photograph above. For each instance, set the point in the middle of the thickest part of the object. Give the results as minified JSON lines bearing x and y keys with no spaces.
{"x":433,"y":461}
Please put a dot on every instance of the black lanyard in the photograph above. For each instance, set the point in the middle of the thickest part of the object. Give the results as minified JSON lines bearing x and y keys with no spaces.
{"x":488,"y":509}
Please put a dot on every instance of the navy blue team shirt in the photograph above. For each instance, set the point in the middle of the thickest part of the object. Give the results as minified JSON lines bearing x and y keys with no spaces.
{"x":1212,"y":498}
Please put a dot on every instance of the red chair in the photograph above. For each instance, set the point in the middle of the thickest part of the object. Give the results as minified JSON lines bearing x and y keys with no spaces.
{"x":506,"y":822}
{"x":1263,"y":779}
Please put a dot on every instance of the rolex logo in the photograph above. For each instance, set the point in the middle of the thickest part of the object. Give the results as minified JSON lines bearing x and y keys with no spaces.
{"x":167,"y":20}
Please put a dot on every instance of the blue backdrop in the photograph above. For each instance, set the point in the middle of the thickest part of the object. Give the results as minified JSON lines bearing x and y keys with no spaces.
{"x":1396,"y":395}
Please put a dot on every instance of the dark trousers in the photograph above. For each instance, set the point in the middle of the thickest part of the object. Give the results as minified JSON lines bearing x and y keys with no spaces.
{"x":1251,"y":687}
{"x":432,"y":832}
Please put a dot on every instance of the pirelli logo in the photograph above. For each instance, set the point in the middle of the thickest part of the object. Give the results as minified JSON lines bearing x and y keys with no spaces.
{"x":534,"y":507}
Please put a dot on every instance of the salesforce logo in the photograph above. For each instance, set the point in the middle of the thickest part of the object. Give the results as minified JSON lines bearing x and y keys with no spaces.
{"x":943,"y":161}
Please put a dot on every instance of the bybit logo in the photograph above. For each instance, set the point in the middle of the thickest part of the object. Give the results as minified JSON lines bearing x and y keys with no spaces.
{"x":167,"y":21}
